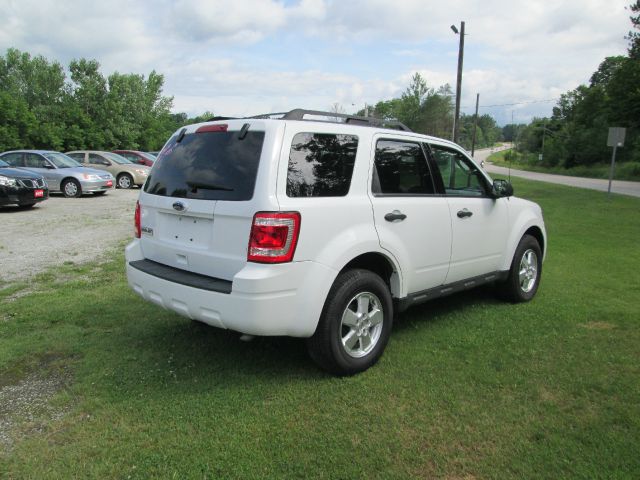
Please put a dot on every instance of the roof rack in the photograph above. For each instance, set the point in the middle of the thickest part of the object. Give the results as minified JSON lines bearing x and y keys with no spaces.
{"x":299,"y":114}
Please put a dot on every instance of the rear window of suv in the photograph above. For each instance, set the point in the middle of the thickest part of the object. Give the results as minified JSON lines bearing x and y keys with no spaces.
{"x":321,"y":165}
{"x":208,"y":166}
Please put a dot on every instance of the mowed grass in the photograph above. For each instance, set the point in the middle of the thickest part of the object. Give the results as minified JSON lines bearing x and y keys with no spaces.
{"x":469,"y":387}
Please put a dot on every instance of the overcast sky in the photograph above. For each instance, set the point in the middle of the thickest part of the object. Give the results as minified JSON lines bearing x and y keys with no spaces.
{"x":243,"y":57}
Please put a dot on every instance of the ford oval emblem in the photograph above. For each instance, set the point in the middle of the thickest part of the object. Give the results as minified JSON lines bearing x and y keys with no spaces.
{"x":179,"y":206}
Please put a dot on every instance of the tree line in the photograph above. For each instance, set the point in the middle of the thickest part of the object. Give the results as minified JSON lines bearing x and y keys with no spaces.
{"x":430,"y":111}
{"x":576,"y":133}
{"x":43,"y":105}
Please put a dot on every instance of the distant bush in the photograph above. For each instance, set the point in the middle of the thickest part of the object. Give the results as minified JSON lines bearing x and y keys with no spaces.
{"x":629,"y":170}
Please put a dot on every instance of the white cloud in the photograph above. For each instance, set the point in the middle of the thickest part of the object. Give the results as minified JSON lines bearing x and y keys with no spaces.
{"x":210,"y":51}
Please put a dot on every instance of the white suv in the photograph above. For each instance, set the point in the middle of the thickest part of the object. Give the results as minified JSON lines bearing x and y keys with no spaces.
{"x":323,"y":228}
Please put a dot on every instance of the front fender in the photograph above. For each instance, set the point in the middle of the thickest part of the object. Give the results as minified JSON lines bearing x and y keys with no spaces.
{"x":522,"y":219}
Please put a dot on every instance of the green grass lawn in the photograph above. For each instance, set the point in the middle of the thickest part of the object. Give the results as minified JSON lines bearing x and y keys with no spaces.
{"x":623,"y":171}
{"x":469,"y":387}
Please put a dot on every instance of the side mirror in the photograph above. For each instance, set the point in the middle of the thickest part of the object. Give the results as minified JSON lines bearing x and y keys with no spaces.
{"x":501,"y":188}
{"x":106,"y":163}
{"x":48,"y":165}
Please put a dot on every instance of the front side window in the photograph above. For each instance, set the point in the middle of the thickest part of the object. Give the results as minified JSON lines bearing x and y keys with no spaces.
{"x":459,"y":175}
{"x":95,"y":159}
{"x":34,"y":160}
{"x":401,"y":169}
{"x":321,"y":164}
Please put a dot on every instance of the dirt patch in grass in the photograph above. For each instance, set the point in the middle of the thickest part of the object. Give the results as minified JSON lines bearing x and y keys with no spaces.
{"x":598,"y":326}
{"x":26,"y":391}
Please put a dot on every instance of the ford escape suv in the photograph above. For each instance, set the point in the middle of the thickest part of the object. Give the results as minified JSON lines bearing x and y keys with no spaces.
{"x":322,"y":225}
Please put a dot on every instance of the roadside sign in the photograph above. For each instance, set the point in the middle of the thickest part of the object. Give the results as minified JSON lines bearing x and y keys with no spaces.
{"x":616,"y":137}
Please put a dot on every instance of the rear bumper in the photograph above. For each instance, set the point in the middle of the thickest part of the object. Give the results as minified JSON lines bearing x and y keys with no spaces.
{"x":283,"y":299}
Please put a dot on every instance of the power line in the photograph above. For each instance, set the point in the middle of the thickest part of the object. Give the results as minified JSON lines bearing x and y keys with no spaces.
{"x":516,"y":103}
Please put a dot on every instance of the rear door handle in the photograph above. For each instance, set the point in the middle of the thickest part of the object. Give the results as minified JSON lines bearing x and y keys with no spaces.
{"x":395,"y":215}
{"x":464,"y":213}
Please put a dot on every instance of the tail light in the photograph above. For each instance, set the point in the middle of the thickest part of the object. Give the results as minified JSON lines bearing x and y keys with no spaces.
{"x":136,"y":221}
{"x":274,"y":236}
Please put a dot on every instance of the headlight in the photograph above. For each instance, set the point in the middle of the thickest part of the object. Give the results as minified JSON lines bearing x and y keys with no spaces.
{"x":90,"y":176}
{"x":8,"y":182}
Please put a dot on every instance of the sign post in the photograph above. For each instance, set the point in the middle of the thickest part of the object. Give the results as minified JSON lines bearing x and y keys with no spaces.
{"x":615,"y":140}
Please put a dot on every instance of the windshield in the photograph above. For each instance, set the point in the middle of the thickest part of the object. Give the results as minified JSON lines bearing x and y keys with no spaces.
{"x":3,"y":164}
{"x":114,"y":157}
{"x":148,"y":156}
{"x":60,"y":160}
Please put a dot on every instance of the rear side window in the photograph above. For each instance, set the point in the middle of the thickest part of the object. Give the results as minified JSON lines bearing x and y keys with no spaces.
{"x":401,"y":168}
{"x":208,"y":166}
{"x":321,"y":165}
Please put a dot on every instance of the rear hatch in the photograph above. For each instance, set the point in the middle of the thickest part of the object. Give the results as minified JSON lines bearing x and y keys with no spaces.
{"x":198,"y":203}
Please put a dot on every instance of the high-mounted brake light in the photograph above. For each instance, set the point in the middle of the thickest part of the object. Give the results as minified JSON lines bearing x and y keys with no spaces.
{"x":136,"y":221}
{"x":274,"y":236}
{"x":213,"y":128}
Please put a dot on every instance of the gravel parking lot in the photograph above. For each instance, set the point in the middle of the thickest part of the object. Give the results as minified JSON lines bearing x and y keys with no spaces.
{"x":62,"y":230}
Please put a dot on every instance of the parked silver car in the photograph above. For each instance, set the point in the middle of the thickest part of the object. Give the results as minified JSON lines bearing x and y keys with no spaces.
{"x":62,"y":174}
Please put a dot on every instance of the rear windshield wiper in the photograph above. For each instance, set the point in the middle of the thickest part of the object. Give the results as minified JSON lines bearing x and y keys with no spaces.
{"x":207,"y":186}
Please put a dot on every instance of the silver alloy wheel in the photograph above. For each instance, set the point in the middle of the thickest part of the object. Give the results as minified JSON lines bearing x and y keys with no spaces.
{"x":528,"y":273}
{"x":70,"y":189}
{"x":124,"y":181}
{"x":361,"y":324}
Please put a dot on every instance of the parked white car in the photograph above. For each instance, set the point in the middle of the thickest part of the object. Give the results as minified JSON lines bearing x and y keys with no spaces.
{"x":324,"y":229}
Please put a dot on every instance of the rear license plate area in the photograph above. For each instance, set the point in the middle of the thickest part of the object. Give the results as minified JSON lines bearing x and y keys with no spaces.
{"x":38,"y":193}
{"x":185,"y":230}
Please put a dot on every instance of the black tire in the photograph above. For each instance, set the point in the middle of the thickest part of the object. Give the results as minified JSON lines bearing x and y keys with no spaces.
{"x":326,"y":346}
{"x":522,"y":289}
{"x":124,"y":180}
{"x":71,"y":188}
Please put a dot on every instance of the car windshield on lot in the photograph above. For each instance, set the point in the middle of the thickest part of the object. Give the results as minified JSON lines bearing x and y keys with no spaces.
{"x":60,"y":160}
{"x":119,"y":159}
{"x":4,"y":164}
{"x":208,"y":166}
{"x":148,"y":156}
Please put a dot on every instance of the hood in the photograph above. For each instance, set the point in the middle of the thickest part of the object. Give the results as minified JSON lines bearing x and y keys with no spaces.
{"x":134,"y":166}
{"x":85,"y":170}
{"x":18,"y":173}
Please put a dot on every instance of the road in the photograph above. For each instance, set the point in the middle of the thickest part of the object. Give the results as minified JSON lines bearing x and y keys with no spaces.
{"x":618,"y":186}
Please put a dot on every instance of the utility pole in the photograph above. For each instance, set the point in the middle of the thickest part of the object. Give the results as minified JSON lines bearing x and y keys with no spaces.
{"x":475,"y":125}
{"x":456,"y":128}
{"x":544,"y":131}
